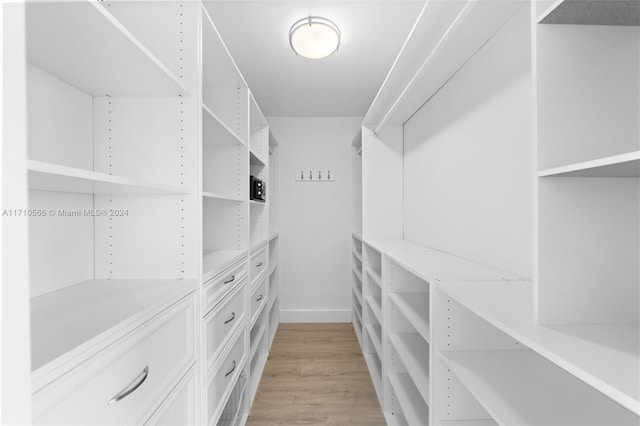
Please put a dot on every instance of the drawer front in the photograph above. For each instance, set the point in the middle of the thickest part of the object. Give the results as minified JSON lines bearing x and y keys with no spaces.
{"x":258,"y":263}
{"x":223,"y":379}
{"x":180,"y":407}
{"x":216,"y":288}
{"x":259,"y":298}
{"x":221,"y":323}
{"x":148,"y":363}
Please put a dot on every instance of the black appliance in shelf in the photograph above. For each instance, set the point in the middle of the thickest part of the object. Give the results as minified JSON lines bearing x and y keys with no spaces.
{"x":257,"y":189}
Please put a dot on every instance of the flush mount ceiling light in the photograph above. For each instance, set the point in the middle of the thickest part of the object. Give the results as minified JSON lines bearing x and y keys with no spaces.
{"x":314,"y":37}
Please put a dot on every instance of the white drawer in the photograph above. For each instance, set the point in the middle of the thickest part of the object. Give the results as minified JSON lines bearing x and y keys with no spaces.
{"x":163,"y":347}
{"x":222,"y":322}
{"x":221,"y":382}
{"x":216,"y":288}
{"x":258,"y":263}
{"x":180,"y":407}
{"x":259,"y":298}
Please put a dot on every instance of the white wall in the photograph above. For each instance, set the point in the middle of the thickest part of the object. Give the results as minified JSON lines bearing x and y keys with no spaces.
{"x":468,"y":169}
{"x":315,"y":218}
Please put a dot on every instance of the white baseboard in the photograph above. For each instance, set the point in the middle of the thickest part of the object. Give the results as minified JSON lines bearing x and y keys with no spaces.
{"x":314,"y":315}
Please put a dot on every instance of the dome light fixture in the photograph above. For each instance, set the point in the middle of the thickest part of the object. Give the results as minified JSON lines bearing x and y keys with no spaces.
{"x":314,"y":37}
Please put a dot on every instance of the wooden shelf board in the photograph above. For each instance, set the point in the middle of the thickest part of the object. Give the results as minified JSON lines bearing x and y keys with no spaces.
{"x":414,"y":353}
{"x":624,"y":165}
{"x":513,"y":386}
{"x":106,"y":60}
{"x":254,"y":160}
{"x":374,"y":304}
{"x":67,"y":322}
{"x":216,"y":131}
{"x":605,"y":356}
{"x":430,"y":264}
{"x":413,"y":407}
{"x":215,"y":261}
{"x":375,"y":333}
{"x":412,"y":305}
{"x":214,"y":196}
{"x":592,"y":12}
{"x":52,"y":177}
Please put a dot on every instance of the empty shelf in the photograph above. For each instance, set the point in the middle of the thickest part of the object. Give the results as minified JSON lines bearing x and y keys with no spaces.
{"x":414,"y":353}
{"x":215,"y":131}
{"x":413,"y":407}
{"x":593,"y":12}
{"x":415,"y":308}
{"x":374,"y":304}
{"x":625,"y":165}
{"x":214,"y":196}
{"x":514,"y":386}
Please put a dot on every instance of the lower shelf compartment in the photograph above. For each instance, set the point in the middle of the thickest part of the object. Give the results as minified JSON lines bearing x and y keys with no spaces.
{"x":233,"y":411}
{"x":514,"y":385}
{"x":415,"y":411}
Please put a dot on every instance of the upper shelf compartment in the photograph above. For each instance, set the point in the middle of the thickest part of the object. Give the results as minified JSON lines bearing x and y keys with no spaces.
{"x":593,"y":12}
{"x":444,"y":37}
{"x":106,"y":60}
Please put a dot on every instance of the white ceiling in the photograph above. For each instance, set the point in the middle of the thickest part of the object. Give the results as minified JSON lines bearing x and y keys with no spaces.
{"x":345,"y":83}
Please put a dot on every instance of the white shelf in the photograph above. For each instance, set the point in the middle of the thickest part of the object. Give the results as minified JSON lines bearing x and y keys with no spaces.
{"x":375,"y":275}
{"x":257,"y":368}
{"x":255,"y":113}
{"x":215,"y":261}
{"x":259,"y":245}
{"x":519,"y":387}
{"x":257,"y":203}
{"x":375,"y":333}
{"x":358,"y":295}
{"x":605,"y":356}
{"x":356,"y":236}
{"x":625,"y":165}
{"x":468,"y":423}
{"x":412,"y":305}
{"x":272,"y":301}
{"x":358,"y":274}
{"x":216,"y":132}
{"x":592,"y":12}
{"x":52,"y":177}
{"x":430,"y":264}
{"x":357,"y":255}
{"x":254,"y":160}
{"x":273,"y":236}
{"x":272,"y":268}
{"x":106,"y":60}
{"x":375,"y":371}
{"x":413,"y":407}
{"x":213,"y":196}
{"x":414,"y":353}
{"x":67,"y":322}
{"x":374,"y":304}
{"x":256,"y":341}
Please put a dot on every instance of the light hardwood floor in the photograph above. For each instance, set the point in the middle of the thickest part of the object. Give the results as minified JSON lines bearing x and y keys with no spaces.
{"x":316,"y":375}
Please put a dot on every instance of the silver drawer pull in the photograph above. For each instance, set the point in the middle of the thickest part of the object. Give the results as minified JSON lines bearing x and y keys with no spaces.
{"x":233,"y":316}
{"x":233,"y":277}
{"x":259,"y":298}
{"x":259,"y":265}
{"x":232,"y":369}
{"x":131,"y":387}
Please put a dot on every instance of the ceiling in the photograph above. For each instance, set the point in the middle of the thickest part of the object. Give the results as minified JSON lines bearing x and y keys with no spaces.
{"x":343,"y":84}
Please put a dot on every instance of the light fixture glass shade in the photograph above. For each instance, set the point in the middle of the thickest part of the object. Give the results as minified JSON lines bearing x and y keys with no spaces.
{"x":314,"y":37}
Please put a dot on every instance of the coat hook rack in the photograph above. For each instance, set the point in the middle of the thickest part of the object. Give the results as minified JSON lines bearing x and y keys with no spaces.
{"x":321,"y":175}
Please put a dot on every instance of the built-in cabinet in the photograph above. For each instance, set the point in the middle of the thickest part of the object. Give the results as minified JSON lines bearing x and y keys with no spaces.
{"x":465,"y":340}
{"x":149,"y":263}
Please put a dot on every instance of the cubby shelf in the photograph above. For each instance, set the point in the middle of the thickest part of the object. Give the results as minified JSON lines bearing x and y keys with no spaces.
{"x":374,"y":304}
{"x":254,"y":160}
{"x":257,"y":203}
{"x":592,"y":12}
{"x":624,"y":165}
{"x":513,"y":386}
{"x":603,"y":355}
{"x":375,"y":276}
{"x":215,"y":261}
{"x":375,"y":333}
{"x":52,"y":177}
{"x":358,"y":274}
{"x":256,"y":339}
{"x":414,"y":353}
{"x":67,"y":322}
{"x":212,"y":195}
{"x":412,"y":305}
{"x":106,"y":60}
{"x":215,"y":131}
{"x":413,"y":407}
{"x":259,"y":244}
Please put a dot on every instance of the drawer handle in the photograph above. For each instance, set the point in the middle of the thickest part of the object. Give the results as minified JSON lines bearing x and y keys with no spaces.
{"x":232,"y":369}
{"x":233,"y":316}
{"x":131,"y":387}
{"x":259,"y":265}
{"x":233,"y":277}
{"x":259,"y":298}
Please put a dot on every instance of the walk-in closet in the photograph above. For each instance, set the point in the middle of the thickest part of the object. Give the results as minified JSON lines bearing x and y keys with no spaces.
{"x":323,"y":212}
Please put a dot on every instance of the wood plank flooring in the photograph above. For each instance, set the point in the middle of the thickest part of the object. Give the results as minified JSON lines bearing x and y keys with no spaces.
{"x":316,"y":375}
